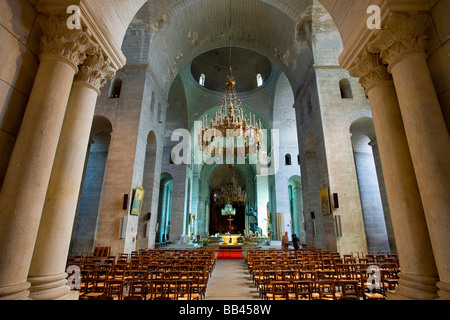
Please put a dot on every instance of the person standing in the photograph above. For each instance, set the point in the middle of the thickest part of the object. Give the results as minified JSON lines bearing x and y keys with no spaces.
{"x":285,"y":242}
{"x":295,"y":242}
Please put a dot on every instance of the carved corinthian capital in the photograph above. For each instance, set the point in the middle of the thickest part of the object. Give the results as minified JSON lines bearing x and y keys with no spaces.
{"x":96,"y":70}
{"x":403,"y":33}
{"x":58,"y":40}
{"x":369,"y":69}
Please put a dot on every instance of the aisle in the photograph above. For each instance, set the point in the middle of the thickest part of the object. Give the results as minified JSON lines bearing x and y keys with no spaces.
{"x":231,"y":281}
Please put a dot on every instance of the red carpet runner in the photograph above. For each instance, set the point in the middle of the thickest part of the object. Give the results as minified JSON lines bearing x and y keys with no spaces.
{"x":230,"y":252}
{"x":225,"y":255}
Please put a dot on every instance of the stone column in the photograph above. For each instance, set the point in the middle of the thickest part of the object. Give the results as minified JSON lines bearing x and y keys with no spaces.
{"x":47,"y":272}
{"x":419,"y":275}
{"x":402,"y":45}
{"x":26,"y":181}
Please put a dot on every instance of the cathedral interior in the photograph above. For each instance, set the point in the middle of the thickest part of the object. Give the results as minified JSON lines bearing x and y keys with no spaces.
{"x":114,"y":122}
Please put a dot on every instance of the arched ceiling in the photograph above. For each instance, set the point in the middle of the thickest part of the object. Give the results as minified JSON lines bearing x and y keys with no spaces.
{"x":246,"y":64}
{"x":174,"y":33}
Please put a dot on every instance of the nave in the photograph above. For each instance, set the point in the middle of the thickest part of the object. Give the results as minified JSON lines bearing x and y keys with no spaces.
{"x":265,"y":274}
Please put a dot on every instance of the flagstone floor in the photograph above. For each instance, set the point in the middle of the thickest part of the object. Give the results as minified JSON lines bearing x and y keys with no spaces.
{"x":230,"y":280}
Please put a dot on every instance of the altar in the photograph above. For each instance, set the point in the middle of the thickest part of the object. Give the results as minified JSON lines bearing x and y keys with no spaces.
{"x":230,"y":239}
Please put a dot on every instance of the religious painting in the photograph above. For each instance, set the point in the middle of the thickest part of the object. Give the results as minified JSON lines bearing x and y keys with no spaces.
{"x":137,"y":201}
{"x":325,"y":206}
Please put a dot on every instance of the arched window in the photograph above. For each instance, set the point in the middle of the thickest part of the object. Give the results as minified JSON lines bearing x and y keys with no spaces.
{"x":116,"y":87}
{"x":346,"y":89}
{"x":201,"y":81}
{"x":259,"y":79}
{"x":288,"y":160}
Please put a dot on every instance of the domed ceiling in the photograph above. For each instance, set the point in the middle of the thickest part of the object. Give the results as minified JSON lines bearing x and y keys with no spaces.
{"x":246,"y":64}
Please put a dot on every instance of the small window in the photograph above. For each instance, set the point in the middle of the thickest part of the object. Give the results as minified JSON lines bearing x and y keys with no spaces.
{"x":302,"y":114}
{"x":309,"y":103}
{"x":116,"y":87}
{"x":201,"y":81}
{"x":346,"y":89}
{"x":160,"y":113}
{"x":259,"y":80}
{"x":288,"y":160}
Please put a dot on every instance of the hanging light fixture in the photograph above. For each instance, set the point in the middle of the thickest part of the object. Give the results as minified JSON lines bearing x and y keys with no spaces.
{"x":241,"y":134}
{"x":228,"y":210}
{"x":231,"y":192}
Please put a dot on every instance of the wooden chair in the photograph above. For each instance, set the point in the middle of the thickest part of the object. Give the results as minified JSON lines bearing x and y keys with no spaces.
{"x":389,"y":278}
{"x":158,"y":290}
{"x":265,"y":285}
{"x":197,"y":290}
{"x":99,"y":278}
{"x":349,"y":290}
{"x":86,"y":283}
{"x":280,"y":290}
{"x":303,"y":290}
{"x":368,"y":293}
{"x":115,"y":288}
{"x":183,"y":290}
{"x":324,"y":290}
{"x":138,"y":288}
{"x":307,"y":275}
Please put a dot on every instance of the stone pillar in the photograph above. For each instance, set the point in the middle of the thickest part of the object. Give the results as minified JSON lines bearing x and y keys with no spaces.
{"x":419,"y":274}
{"x":26,"y":181}
{"x":47,"y":272}
{"x":402,"y":46}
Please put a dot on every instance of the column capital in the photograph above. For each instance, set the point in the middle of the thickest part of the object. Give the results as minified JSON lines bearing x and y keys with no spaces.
{"x":59,"y":41}
{"x":402,"y":34}
{"x":370,"y":69}
{"x":95,"y":71}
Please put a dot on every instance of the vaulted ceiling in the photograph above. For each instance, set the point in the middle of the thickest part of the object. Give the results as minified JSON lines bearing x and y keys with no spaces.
{"x":168,"y":35}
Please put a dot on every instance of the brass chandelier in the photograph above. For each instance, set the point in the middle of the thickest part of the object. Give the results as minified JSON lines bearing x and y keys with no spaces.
{"x":239,"y":133}
{"x":231,"y":192}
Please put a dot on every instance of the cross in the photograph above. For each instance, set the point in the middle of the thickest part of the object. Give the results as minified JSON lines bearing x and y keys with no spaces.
{"x":229,"y":219}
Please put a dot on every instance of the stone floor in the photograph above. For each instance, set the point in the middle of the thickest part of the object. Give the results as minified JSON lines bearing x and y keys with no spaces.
{"x":230,"y":280}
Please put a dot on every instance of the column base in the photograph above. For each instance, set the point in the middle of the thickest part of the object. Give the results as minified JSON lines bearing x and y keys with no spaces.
{"x":15,"y":292}
{"x":444,"y":291}
{"x":71,"y":296}
{"x":414,"y":287}
{"x":49,"y":287}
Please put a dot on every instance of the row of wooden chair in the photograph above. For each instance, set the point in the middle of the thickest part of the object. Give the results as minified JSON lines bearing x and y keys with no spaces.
{"x":313,"y":290}
{"x":313,"y":274}
{"x":159,"y":275}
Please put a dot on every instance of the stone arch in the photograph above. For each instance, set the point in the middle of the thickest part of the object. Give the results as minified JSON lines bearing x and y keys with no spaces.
{"x":296,"y":207}
{"x":246,"y":174}
{"x":375,"y":208}
{"x":147,"y":220}
{"x":164,"y":208}
{"x":87,"y":214}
